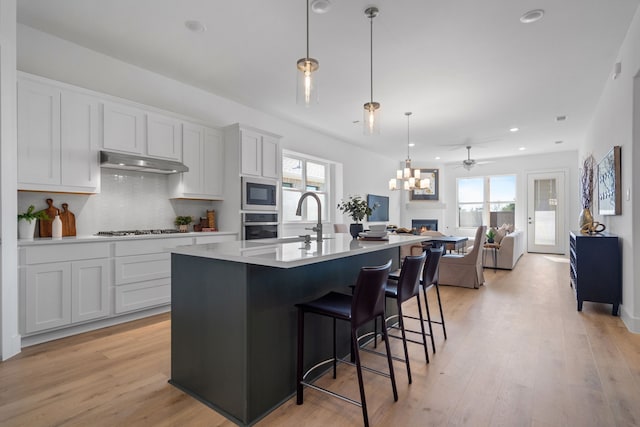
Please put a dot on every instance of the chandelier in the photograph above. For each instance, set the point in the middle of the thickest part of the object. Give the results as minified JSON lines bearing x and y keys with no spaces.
{"x":408,"y":178}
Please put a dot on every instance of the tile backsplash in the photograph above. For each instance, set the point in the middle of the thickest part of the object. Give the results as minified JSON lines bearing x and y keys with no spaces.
{"x":128,"y":200}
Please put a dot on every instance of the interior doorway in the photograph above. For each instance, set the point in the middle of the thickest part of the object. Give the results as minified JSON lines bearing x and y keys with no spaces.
{"x":545,"y":212}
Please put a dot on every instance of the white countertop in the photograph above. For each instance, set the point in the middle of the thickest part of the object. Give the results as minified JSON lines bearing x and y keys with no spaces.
{"x":288,"y":253}
{"x":93,"y":238}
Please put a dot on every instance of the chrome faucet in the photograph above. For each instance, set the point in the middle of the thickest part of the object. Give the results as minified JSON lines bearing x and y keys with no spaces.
{"x":318,"y":227}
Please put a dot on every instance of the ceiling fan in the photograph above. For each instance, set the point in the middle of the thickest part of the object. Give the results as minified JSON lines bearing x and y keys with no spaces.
{"x":469,"y":163}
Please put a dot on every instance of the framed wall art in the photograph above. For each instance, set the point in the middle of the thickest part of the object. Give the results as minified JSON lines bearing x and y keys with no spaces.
{"x":431,"y":192}
{"x":609,"y":186}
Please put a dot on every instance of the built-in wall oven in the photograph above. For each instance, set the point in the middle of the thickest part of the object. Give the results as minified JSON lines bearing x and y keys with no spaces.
{"x":259,"y":225}
{"x":259,"y":194}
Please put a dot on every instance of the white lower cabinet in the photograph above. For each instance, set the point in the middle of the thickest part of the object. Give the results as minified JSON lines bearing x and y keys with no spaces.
{"x":63,"y":286}
{"x":137,"y":296}
{"x":47,"y":296}
{"x":58,"y":294}
{"x":142,"y":281}
{"x":143,"y":273}
{"x":89,"y":290}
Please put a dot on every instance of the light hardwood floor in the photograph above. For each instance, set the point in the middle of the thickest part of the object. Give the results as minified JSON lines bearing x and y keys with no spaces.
{"x":518,"y":353}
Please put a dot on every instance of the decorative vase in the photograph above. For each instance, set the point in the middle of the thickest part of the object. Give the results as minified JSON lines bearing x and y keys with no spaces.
{"x":355,"y":229}
{"x":26,"y":229}
{"x":183,"y":228}
{"x":490,"y":240}
{"x":585,"y":218}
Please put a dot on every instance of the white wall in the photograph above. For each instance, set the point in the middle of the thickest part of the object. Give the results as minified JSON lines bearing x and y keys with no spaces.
{"x":9,"y":337}
{"x":617,"y":122}
{"x":48,"y":56}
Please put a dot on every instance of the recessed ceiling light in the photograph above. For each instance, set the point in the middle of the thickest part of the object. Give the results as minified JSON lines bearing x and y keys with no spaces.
{"x":558,"y":142}
{"x":412,"y":144}
{"x":195,"y":26}
{"x":514,"y":129}
{"x":561,"y":118}
{"x":437,"y":157}
{"x":320,"y":6}
{"x":522,"y":148}
{"x":532,"y":16}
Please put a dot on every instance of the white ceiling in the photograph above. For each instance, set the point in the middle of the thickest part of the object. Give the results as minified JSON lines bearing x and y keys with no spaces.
{"x":467,"y":69}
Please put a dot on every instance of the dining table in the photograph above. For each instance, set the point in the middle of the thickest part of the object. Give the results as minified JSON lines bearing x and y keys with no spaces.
{"x":457,"y":242}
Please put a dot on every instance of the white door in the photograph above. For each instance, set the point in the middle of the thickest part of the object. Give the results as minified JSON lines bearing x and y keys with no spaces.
{"x":545,"y":213}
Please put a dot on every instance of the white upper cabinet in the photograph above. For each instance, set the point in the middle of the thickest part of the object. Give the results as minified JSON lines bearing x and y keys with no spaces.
{"x":164,"y":137}
{"x":203,"y":154}
{"x":80,"y":130}
{"x":259,"y":154}
{"x":38,"y":134}
{"x":132,"y":130}
{"x":124,"y":128}
{"x":58,"y":133}
{"x":270,"y":157}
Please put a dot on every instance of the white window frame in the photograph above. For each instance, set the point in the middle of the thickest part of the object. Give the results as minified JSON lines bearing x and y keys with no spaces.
{"x":327,"y":192}
{"x":486,"y":200}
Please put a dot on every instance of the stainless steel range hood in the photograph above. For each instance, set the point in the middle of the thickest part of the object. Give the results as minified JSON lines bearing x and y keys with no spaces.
{"x":110,"y":159}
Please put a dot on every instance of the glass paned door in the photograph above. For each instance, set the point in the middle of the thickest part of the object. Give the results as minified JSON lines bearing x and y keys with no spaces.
{"x":545,"y":218}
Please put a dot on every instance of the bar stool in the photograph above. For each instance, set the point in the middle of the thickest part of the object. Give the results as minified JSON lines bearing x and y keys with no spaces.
{"x":406,"y":287}
{"x":366,"y":304}
{"x":429,"y":279}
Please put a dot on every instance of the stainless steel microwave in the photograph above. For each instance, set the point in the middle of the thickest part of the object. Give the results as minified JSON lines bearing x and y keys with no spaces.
{"x":259,"y":194}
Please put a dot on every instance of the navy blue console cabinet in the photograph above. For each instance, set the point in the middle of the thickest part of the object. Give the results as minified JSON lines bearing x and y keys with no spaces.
{"x":595,"y":268}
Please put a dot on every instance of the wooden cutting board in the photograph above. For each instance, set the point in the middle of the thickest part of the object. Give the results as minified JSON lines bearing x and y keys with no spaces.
{"x":45,"y":225}
{"x":68,"y":221}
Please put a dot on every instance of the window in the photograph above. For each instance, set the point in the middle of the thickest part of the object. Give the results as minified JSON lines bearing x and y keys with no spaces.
{"x":299,"y":175}
{"x":486,"y":200}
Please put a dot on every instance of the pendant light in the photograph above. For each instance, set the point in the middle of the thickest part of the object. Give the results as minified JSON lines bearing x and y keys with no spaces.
{"x":307,"y":87}
{"x":408,"y":178}
{"x":371,"y":109}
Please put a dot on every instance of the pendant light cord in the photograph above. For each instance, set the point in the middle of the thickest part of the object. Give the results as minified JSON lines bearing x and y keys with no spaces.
{"x":408,"y":137}
{"x":371,"y":54}
{"x":307,"y":29}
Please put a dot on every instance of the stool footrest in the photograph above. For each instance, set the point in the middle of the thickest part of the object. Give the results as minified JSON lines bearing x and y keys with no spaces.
{"x":331,"y":393}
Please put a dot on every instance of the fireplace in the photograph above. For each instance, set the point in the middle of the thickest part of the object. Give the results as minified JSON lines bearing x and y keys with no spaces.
{"x":428,"y":224}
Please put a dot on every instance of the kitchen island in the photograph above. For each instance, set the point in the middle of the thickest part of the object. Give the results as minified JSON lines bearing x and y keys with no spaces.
{"x":233,"y":321}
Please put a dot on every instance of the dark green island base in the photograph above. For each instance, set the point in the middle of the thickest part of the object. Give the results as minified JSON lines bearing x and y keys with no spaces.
{"x":233,"y":328}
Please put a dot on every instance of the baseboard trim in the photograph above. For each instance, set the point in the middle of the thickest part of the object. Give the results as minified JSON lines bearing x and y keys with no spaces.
{"x":632,"y":323}
{"x":11,"y":347}
{"x":92,"y":326}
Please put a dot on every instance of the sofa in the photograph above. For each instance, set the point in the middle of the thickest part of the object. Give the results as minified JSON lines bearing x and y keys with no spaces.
{"x":510,"y":249}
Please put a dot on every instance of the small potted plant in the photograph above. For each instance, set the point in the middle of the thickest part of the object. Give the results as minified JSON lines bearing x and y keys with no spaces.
{"x":183,"y":223}
{"x":356,"y":207}
{"x":491,"y":234}
{"x":27,"y":222}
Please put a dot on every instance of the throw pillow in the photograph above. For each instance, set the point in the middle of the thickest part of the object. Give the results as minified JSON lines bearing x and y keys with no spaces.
{"x":500,"y":233}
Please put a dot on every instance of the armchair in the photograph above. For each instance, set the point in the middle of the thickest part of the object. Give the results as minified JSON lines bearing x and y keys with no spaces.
{"x":464,"y":270}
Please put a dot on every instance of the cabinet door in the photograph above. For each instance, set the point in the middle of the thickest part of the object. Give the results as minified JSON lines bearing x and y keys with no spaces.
{"x":80,"y":162}
{"x":250,"y":153}
{"x":192,"y":143}
{"x":89,"y":289}
{"x":47,"y":296}
{"x":38,"y":134}
{"x":123,"y":128}
{"x":270,"y":158}
{"x":213,"y":166}
{"x":164,"y":137}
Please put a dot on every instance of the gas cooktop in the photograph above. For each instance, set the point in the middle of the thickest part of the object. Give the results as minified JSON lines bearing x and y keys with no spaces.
{"x":119,"y":233}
